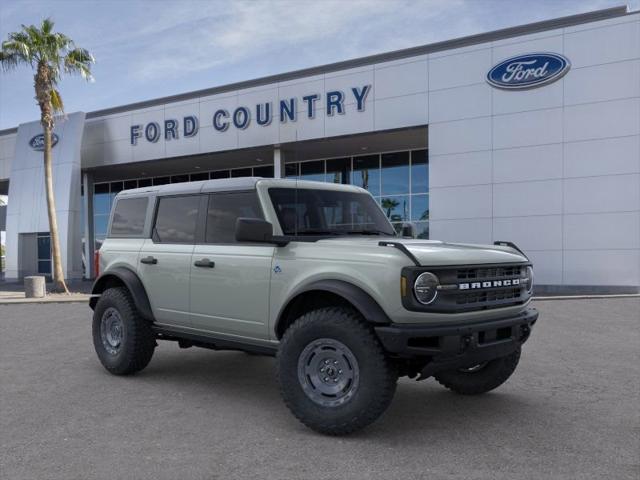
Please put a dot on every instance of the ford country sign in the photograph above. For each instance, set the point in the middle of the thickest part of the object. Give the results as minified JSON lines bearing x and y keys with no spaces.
{"x":528,"y":71}
{"x":37,"y":142}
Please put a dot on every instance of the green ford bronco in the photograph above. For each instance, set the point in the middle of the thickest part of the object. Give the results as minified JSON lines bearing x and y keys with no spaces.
{"x":315,"y":275}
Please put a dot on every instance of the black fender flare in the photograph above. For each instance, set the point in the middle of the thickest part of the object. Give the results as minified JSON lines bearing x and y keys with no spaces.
{"x":361,"y":300}
{"x":133,"y":284}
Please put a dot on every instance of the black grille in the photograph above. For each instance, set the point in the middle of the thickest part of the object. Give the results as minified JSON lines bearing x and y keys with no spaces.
{"x":488,"y":297}
{"x":489,"y":273}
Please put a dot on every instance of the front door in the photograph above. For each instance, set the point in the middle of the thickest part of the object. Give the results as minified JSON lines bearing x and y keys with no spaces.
{"x":165,"y":259}
{"x":230,"y":280}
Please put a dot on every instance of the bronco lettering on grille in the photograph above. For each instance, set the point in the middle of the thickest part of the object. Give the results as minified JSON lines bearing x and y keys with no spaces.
{"x":489,"y":284}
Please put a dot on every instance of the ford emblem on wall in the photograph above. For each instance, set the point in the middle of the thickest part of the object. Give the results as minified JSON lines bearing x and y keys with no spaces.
{"x":37,"y":142}
{"x":528,"y":71}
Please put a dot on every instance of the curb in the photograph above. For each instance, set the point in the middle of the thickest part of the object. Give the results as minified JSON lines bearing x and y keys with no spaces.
{"x":584,"y":297}
{"x":22,"y":301}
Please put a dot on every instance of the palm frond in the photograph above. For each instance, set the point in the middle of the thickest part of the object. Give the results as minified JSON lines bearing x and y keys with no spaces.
{"x":56,"y":101}
{"x":79,"y":61}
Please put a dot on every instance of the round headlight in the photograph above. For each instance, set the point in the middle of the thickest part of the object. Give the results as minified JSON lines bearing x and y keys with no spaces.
{"x":425,"y":288}
{"x":529,"y":276}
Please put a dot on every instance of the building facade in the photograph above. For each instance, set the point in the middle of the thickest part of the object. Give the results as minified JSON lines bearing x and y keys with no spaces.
{"x":529,"y":134}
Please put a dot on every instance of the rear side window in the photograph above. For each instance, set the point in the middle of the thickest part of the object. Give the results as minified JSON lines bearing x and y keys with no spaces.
{"x":129,"y":216}
{"x":224,"y":210}
{"x":176,"y":219}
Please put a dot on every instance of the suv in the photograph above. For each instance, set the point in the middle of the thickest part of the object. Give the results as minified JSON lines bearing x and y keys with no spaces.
{"x":314,"y":274}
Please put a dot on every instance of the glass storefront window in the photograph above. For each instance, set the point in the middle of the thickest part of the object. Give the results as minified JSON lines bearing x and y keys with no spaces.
{"x":419,"y":207}
{"x":129,"y":184}
{"x":241,"y":172}
{"x":265,"y":171}
{"x":291,"y":170}
{"x":313,"y":171}
{"x":419,"y":171}
{"x":219,"y":174}
{"x":101,"y":199}
{"x":100,"y":223}
{"x":145,"y":182}
{"x":422,"y":230}
{"x":196,"y":177}
{"x":366,"y":173}
{"x":161,"y":180}
{"x":338,"y":170}
{"x":179,"y":178}
{"x":395,"y":173}
{"x":396,"y":208}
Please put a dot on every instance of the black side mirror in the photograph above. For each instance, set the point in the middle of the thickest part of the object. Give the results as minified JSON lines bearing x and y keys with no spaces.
{"x":253,"y":230}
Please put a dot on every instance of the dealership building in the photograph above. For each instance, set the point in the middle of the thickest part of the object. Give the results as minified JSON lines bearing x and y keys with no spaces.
{"x":529,"y":134}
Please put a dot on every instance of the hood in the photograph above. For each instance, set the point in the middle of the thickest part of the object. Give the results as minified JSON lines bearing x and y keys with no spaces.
{"x":435,"y":252}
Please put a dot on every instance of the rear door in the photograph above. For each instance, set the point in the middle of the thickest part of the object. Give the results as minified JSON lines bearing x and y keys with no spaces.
{"x":165,"y":259}
{"x":230,"y":280}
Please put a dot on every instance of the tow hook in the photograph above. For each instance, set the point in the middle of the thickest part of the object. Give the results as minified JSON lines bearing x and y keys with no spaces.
{"x":465,"y":342}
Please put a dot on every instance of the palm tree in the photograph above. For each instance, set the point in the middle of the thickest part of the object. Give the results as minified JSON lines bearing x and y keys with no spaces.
{"x":50,"y":55}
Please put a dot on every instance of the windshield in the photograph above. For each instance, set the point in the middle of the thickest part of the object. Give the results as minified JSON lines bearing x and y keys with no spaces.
{"x":328,"y":212}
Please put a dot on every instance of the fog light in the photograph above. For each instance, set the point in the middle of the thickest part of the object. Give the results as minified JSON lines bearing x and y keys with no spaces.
{"x":426,"y":288}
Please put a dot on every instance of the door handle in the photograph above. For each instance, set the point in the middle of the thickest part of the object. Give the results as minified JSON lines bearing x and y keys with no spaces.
{"x":149,"y":260}
{"x":205,"y":262}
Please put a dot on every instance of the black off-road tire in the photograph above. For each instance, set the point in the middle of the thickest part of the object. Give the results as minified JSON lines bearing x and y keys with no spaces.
{"x":138,"y":340}
{"x":377,"y":378}
{"x":487,"y":378}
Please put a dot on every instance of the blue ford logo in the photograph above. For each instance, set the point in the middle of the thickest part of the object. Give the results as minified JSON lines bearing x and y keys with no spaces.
{"x":37,"y":142}
{"x":528,"y":71}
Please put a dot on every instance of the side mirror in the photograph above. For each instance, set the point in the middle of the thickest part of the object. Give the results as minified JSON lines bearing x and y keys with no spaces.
{"x":253,"y":230}
{"x":408,"y":230}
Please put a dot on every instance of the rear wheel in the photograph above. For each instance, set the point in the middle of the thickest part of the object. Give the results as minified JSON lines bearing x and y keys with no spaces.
{"x":333,"y":374}
{"x":480,"y":378}
{"x":122,"y":339}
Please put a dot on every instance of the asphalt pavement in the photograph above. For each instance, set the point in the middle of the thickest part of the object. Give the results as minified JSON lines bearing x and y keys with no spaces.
{"x":571,"y":410}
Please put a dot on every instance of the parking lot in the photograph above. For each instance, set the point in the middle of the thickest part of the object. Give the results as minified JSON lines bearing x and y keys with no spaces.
{"x":570,"y":411}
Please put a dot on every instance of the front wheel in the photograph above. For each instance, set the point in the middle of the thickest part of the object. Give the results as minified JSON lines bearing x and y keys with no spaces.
{"x":122,"y":339}
{"x":480,"y":378}
{"x":333,"y":374}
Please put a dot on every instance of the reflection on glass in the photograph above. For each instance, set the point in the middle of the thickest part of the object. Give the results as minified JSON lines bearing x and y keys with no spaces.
{"x":44,"y":266}
{"x":312,"y":171}
{"x":265,"y":171}
{"x":396,"y":208}
{"x":338,"y":170}
{"x":44,"y":247}
{"x":419,"y":171}
{"x":291,"y":170}
{"x":219,"y":174}
{"x":366,"y":173}
{"x":395,"y":173}
{"x":420,"y":207}
{"x":241,"y":172}
{"x":100,"y":224}
{"x":422,"y":230}
{"x":101,"y":203}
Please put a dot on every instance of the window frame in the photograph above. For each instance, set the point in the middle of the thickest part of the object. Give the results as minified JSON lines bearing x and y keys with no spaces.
{"x":199,"y":231}
{"x":210,"y":196}
{"x":142,"y":234}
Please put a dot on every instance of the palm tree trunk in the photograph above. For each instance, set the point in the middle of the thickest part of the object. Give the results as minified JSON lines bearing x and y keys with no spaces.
{"x":59,"y":284}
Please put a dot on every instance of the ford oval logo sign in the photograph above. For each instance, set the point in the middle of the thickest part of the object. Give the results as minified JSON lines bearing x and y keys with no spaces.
{"x":528,"y":71}
{"x":37,"y":142}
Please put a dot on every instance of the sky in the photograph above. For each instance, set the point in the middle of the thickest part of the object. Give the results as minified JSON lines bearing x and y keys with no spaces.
{"x":150,"y":49}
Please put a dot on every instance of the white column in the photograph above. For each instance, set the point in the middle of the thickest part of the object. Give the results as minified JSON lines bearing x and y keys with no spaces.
{"x":87,"y":221}
{"x":278,"y":163}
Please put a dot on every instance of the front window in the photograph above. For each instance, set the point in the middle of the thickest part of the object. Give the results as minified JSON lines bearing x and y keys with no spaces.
{"x":328,"y":212}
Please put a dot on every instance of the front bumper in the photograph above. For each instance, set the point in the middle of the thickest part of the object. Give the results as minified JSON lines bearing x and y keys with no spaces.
{"x":448,"y":347}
